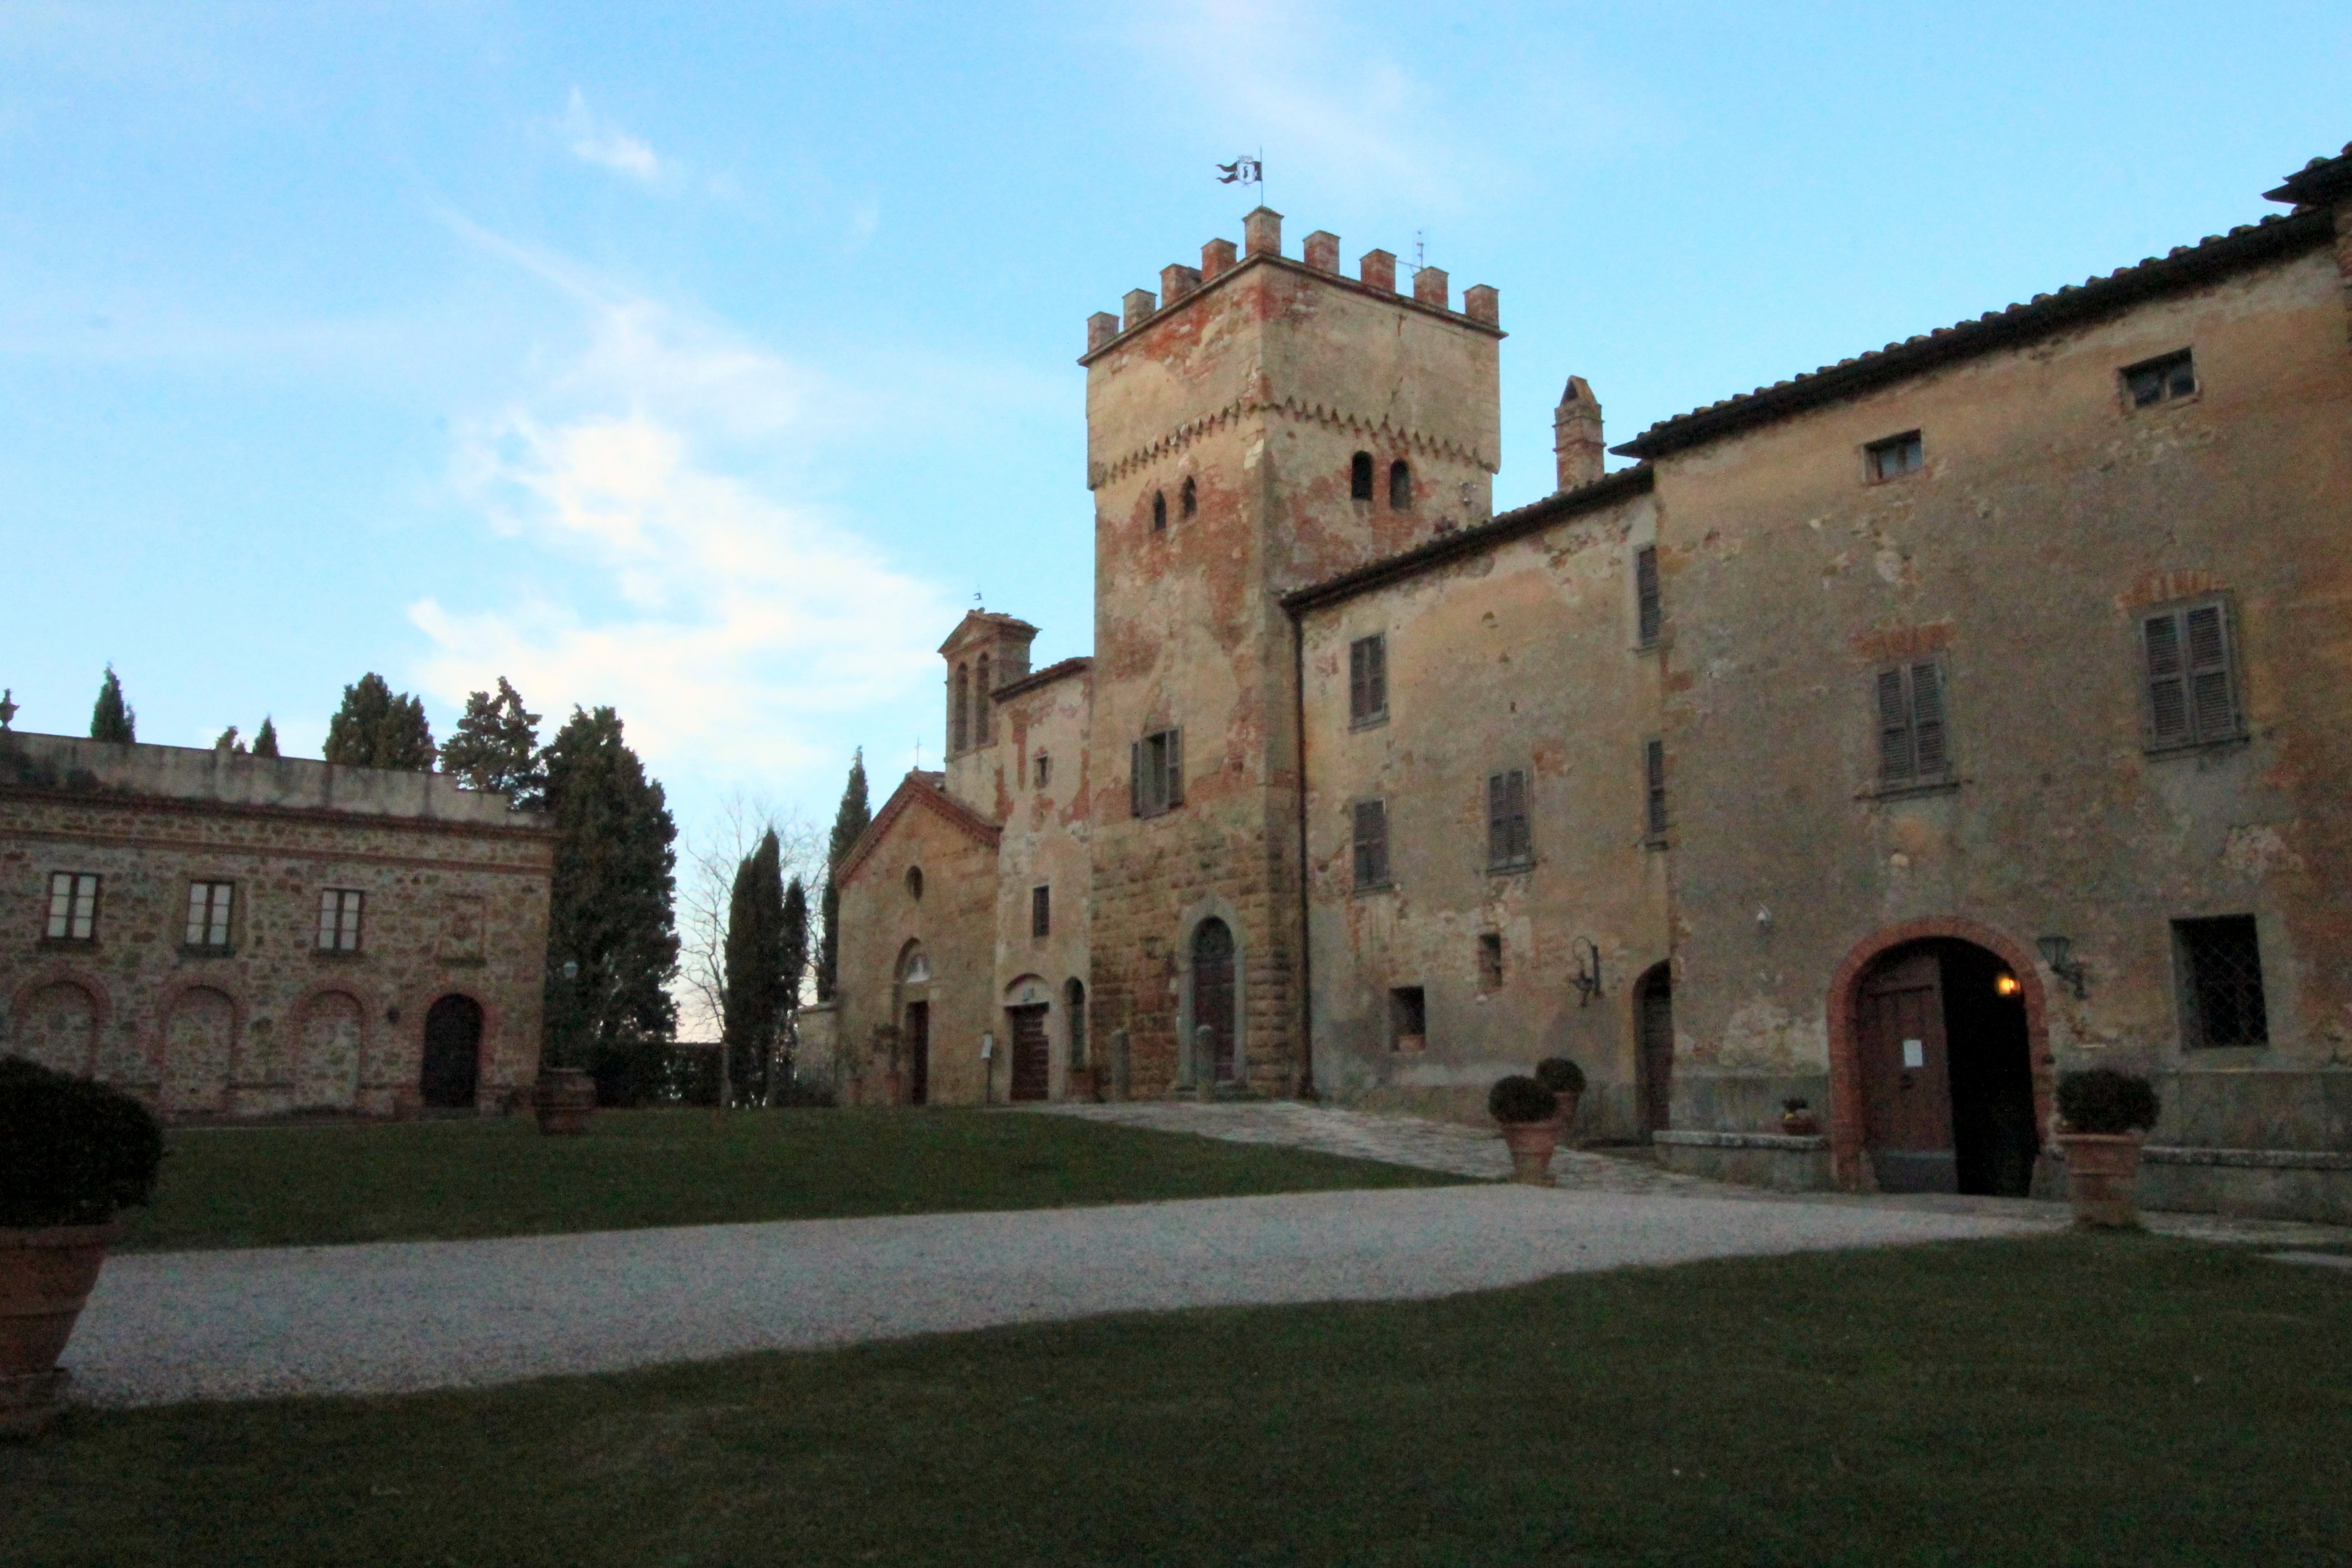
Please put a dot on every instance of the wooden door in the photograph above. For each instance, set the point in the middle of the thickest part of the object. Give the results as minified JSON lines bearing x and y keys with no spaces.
{"x":453,"y":1052}
{"x":1213,"y":993}
{"x":1032,"y":1057}
{"x":918,"y":1053}
{"x":1657,"y":1047}
{"x":1907,"y":1082}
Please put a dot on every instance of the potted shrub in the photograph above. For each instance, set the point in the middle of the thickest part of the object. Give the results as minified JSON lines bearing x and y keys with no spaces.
{"x":2103,"y":1115}
{"x":1796,"y":1118}
{"x":1528,"y":1114}
{"x":72,"y":1152}
{"x":1566,"y":1081}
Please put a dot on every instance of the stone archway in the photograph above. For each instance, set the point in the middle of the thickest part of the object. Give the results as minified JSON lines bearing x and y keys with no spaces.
{"x":1866,"y":977}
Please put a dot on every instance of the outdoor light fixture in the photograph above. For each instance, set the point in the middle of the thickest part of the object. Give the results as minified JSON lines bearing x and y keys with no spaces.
{"x":2055,"y":952}
{"x":1588,"y":974}
{"x":571,"y":969}
{"x":2006,"y":986}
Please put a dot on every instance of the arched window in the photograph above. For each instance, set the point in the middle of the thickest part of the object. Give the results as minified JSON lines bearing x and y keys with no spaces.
{"x":1359,"y":478}
{"x":1074,"y":996}
{"x":1159,"y":511}
{"x":1192,"y":499}
{"x":1400,"y":486}
{"x":984,"y":721}
{"x":959,"y":724}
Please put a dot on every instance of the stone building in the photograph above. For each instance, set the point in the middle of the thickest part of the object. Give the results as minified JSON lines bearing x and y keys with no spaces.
{"x":231,"y":936}
{"x":1893,"y":737}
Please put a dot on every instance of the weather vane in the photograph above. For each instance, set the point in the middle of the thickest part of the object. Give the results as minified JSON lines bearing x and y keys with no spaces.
{"x":1245,"y":172}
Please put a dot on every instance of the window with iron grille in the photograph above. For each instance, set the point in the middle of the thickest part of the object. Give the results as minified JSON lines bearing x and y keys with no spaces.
{"x":1490,"y":961}
{"x":73,"y":906}
{"x":1156,"y":774}
{"x":1368,"y":680}
{"x":1653,"y":784}
{"x":2220,"y":966}
{"x":1914,"y":746}
{"x":2161,"y":380}
{"x":338,"y":920}
{"x":1371,"y":843}
{"x":1895,"y":457}
{"x":2192,"y":698}
{"x":1650,"y":605}
{"x":1041,"y":911}
{"x":209,"y":904}
{"x":1509,"y":846}
{"x":1359,"y":476}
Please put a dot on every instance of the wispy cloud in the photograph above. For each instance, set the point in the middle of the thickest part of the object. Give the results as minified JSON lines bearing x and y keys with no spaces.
{"x":596,"y":140}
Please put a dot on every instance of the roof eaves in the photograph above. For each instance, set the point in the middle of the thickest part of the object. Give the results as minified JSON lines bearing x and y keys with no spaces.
{"x":1046,"y":675}
{"x":916,"y":787}
{"x":2318,"y":183}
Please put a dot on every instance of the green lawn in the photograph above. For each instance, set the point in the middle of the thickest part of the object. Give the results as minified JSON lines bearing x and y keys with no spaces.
{"x":2064,"y":1401}
{"x":376,"y":1182}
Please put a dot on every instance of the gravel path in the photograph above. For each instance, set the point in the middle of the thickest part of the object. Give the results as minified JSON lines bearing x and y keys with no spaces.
{"x":387,"y":1319}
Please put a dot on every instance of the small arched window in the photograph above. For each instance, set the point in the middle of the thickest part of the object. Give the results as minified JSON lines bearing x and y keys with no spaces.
{"x":1192,"y":501}
{"x":1359,"y":478}
{"x":914,"y":883}
{"x":1159,"y":511}
{"x":984,"y":727}
{"x":1400,"y":486}
{"x":959,"y":706}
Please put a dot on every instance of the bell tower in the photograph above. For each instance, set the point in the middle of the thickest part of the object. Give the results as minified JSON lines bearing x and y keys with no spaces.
{"x":1261,"y":424}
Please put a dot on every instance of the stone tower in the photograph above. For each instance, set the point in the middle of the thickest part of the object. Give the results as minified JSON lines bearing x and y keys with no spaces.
{"x":1261,"y":424}
{"x":985,"y":651}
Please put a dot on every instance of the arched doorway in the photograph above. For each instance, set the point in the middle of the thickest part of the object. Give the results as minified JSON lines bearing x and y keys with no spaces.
{"x":914,"y":1023}
{"x":1213,"y":996}
{"x":1943,"y":1050}
{"x":1653,"y":1046}
{"x":453,"y":1053}
{"x":1074,"y":1006}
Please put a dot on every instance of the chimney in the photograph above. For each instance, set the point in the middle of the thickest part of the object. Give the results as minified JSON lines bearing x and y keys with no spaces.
{"x":1323,"y":251}
{"x":1101,"y":327}
{"x":1216,"y":257}
{"x":1576,"y":435}
{"x":1378,"y":269}
{"x":1139,"y":304}
{"x":1480,"y":302}
{"x":1429,"y":287}
{"x":1176,"y":281}
{"x":1262,"y":232}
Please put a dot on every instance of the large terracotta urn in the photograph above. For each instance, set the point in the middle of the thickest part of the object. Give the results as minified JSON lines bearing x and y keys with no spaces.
{"x":1532,"y":1144}
{"x":564,"y":1099}
{"x":2102,"y":1171}
{"x":46,"y":1275}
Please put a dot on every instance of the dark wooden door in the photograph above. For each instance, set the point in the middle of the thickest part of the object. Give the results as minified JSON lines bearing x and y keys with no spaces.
{"x":1657,"y":1047}
{"x":453,"y":1052}
{"x":918,"y":1053}
{"x":1033,"y":1065}
{"x":1212,"y":993}
{"x":1906,"y":1081}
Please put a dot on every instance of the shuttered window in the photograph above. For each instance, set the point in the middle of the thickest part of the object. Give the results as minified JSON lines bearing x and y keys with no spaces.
{"x":1041,"y":911}
{"x":1156,"y":772}
{"x":1368,"y":680}
{"x":1649,"y":608}
{"x":1372,"y":828}
{"x":1653,"y":783}
{"x":1912,"y":744}
{"x":2192,"y":698}
{"x":1508,"y":843}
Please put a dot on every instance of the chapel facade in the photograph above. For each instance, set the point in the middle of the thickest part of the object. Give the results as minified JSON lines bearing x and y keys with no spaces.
{"x":1891,"y":739}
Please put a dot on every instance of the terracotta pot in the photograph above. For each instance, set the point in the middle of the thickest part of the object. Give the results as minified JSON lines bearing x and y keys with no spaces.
{"x":46,"y":1274}
{"x":2101,"y":1170}
{"x":894,"y":1088}
{"x":1801,"y":1124}
{"x":1531,"y":1144}
{"x":1081,"y":1085}
{"x":565,"y":1098}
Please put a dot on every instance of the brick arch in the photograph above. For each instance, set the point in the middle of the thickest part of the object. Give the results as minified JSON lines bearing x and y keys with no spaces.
{"x":101,"y":1004}
{"x":1845,"y":994}
{"x":167,"y":1006}
{"x":298,"y":1025}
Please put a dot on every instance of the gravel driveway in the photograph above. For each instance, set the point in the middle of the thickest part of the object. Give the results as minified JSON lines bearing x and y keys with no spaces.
{"x":400,"y":1317}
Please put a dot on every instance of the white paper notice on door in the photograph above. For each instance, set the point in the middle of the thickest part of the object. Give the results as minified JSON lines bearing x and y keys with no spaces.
{"x":1914,"y":1053}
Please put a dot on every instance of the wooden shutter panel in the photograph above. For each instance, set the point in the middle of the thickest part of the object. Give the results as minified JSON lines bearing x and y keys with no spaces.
{"x":1893,"y":726}
{"x":1499,"y":848}
{"x":2211,"y":705}
{"x":1375,"y":676}
{"x":1522,"y":841}
{"x":1371,"y":843}
{"x":1135,"y":779}
{"x":1645,"y":588}
{"x":1175,"y":767}
{"x":1928,"y":748}
{"x":1358,"y":696}
{"x":2168,"y":685}
{"x":1653,"y":768}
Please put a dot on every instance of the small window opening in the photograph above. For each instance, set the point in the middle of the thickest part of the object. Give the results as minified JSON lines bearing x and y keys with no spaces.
{"x":914,"y":883}
{"x":1367,"y":680}
{"x":338,"y":920}
{"x":1159,"y":512}
{"x":2161,"y":380}
{"x":1490,"y":961}
{"x":1359,"y":478}
{"x":2221,"y":983}
{"x":1897,"y":456}
{"x":208,"y":911}
{"x":1654,"y":775}
{"x":1192,"y":499}
{"x":1650,"y":605}
{"x":1041,"y":911}
{"x":73,"y":906}
{"x":1156,"y":774}
{"x":1408,"y":1019}
{"x":1045,"y":769}
{"x":1508,"y":845}
{"x":1400,"y":486}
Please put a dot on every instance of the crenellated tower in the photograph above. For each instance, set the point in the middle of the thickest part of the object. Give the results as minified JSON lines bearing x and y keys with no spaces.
{"x":1261,"y":424}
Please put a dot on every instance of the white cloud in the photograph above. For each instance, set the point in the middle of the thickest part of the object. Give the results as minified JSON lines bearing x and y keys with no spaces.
{"x":600,"y":141}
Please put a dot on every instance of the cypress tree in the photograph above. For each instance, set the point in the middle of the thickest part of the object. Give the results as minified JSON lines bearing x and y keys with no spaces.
{"x":112,"y":719}
{"x":265,"y":740}
{"x":377,"y":727}
{"x":848,"y":823}
{"x":496,"y":747}
{"x":228,"y":738}
{"x":609,"y":908}
{"x":752,"y":1002}
{"x":796,"y":961}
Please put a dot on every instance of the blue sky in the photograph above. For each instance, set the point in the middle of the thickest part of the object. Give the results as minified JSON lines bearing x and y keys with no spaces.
{"x":705,"y":360}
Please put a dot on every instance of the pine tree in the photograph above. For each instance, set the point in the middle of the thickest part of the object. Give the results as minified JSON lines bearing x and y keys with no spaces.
{"x":112,"y":719}
{"x":379,"y":728}
{"x":265,"y":740}
{"x":752,"y":1004}
{"x":496,"y":747}
{"x":609,"y":908}
{"x":848,"y":825}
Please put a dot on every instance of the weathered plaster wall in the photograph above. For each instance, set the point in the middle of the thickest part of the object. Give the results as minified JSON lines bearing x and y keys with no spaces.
{"x":2048,"y":515}
{"x":1521,"y":656}
{"x":1045,"y":844}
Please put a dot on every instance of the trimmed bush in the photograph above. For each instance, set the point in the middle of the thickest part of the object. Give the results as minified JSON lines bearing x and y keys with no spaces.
{"x":1561,"y":1076}
{"x":2102,"y":1100}
{"x":1520,"y":1098}
{"x":71,"y":1151}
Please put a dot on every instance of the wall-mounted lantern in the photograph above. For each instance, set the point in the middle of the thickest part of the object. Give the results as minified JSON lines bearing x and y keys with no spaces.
{"x":2056,"y":951}
{"x":1588,"y":973}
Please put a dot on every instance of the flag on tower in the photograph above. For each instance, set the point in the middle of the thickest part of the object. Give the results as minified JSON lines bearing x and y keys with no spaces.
{"x":1241,"y":171}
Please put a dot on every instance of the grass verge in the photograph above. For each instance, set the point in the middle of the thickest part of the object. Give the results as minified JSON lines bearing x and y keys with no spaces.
{"x":315,"y":1185}
{"x":2060,"y":1401}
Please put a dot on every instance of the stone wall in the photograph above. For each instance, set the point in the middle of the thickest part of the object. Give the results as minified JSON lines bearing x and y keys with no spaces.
{"x":1045,"y":844}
